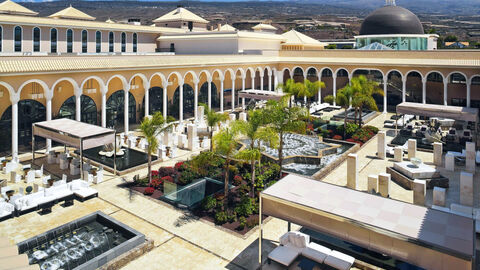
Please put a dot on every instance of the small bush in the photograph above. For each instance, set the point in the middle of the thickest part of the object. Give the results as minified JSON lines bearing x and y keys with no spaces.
{"x":232,"y":216}
{"x":237,"y":180}
{"x":179,"y":166}
{"x":156,"y":183}
{"x":243,"y":223}
{"x":351,"y":129}
{"x":171,"y":119}
{"x":141,"y":182}
{"x":245,"y":207}
{"x":167,"y":178}
{"x":221,"y":217}
{"x":166,"y":171}
{"x":149,"y":191}
{"x":209,"y":203}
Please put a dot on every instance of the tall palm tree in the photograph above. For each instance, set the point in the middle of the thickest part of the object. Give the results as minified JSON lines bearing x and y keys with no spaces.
{"x":343,"y":99}
{"x":283,"y":119}
{"x":290,"y":89}
{"x":257,"y":133}
{"x":225,"y":144}
{"x":213,"y":119}
{"x":363,"y":91}
{"x":151,"y":126}
{"x":309,"y":90}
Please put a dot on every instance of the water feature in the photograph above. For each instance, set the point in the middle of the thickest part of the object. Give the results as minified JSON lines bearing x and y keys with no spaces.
{"x":130,"y":158}
{"x":191,"y":195}
{"x":365,"y":114}
{"x":86,"y":243}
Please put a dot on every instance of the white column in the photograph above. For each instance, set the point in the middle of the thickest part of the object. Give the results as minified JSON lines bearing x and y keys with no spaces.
{"x":180,"y":109}
{"x":385,"y":86}
{"x":209,"y":94}
{"x":269,"y":81}
{"x":261,"y":82}
{"x":243,"y":89}
{"x":233,"y":93}
{"x":104,"y":108}
{"x":334,"y":78}
{"x":469,"y":87}
{"x":253,"y":81}
{"x":424,"y":90}
{"x":147,"y":99}
{"x":165,"y":100}
{"x":78,"y":106}
{"x":404,"y":88}
{"x":125,"y":109}
{"x":14,"y":99}
{"x":221,"y":94}
{"x":195,"y":100}
{"x":304,"y":98}
{"x":275,"y":80}
{"x":319,"y":99}
{"x":49,"y":97}
{"x":445,"y":91}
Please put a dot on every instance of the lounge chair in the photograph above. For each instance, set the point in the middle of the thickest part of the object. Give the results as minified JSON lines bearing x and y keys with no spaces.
{"x":339,"y":260}
{"x":39,"y":173}
{"x":6,"y":211}
{"x":82,"y":190}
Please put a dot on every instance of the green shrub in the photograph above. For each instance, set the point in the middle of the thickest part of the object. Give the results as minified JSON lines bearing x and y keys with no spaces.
{"x":351,"y":129}
{"x":143,"y":182}
{"x":243,"y":223}
{"x":318,"y":122}
{"x":221,"y":217}
{"x":171,"y":119}
{"x":209,"y":203}
{"x":232,"y":216}
{"x":187,"y":176}
{"x":245,"y":207}
{"x":372,"y":129}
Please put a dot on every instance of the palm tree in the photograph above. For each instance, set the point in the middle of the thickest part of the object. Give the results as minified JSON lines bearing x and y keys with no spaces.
{"x":151,"y":126}
{"x":283,"y":119}
{"x":309,"y":90}
{"x":290,"y":89}
{"x":343,"y":99}
{"x":257,"y":133}
{"x":363,"y":92}
{"x":213,"y":119}
{"x":225,"y":144}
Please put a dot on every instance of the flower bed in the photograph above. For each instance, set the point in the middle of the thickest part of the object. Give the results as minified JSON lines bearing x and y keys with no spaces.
{"x":238,"y":211}
{"x":352,"y":134}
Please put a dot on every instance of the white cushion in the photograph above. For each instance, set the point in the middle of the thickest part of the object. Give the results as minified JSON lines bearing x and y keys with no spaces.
{"x":316,"y":252}
{"x":339,"y":260}
{"x":283,"y":255}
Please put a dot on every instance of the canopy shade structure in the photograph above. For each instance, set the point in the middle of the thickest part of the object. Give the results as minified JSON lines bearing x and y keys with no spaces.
{"x":432,"y":110}
{"x":421,"y":236}
{"x":73,"y":133}
{"x":260,"y":95}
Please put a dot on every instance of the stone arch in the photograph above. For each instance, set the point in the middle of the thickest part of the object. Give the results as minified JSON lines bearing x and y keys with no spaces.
{"x":414,"y":86}
{"x":457,"y":89}
{"x":160,"y":75}
{"x":122,"y":80}
{"x":434,"y":87}
{"x":40,"y":82}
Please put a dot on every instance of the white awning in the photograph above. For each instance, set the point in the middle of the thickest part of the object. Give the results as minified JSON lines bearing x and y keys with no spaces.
{"x":260,"y":94}
{"x":432,"y":110}
{"x":73,"y":133}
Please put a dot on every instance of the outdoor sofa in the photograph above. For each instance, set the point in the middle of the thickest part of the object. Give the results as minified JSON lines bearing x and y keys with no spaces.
{"x":294,"y":244}
{"x":7,"y":210}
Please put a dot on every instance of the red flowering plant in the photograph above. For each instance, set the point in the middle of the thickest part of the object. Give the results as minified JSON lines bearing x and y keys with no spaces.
{"x":156,"y":183}
{"x":167,"y":178}
{"x":166,"y":171}
{"x":310,"y":127}
{"x":337,"y":137}
{"x":237,"y":180}
{"x":155,"y":175}
{"x":179,"y":166}
{"x":149,"y":191}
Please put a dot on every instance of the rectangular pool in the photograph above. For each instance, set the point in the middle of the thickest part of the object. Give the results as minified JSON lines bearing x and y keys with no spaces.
{"x":191,"y":195}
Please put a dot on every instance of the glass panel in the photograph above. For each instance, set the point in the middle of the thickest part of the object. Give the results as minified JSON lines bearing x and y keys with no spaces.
{"x":18,"y":39}
{"x":36,"y":39}
{"x":110,"y":42}
{"x":135,"y":42}
{"x":1,"y":38}
{"x":69,"y":40}
{"x":124,"y":42}
{"x":84,"y":41}
{"x":98,"y":41}
{"x":53,"y":40}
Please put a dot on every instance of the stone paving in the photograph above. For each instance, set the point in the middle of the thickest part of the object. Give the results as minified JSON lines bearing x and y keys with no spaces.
{"x":184,"y":242}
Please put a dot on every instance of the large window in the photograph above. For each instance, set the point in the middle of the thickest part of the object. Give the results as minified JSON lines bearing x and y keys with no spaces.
{"x":1,"y":38}
{"x":124,"y":42}
{"x":53,"y":40}
{"x":18,"y":38}
{"x":36,"y":39}
{"x":69,"y":41}
{"x":98,"y":41}
{"x":111,"y":41}
{"x":135,"y":42}
{"x":84,"y":41}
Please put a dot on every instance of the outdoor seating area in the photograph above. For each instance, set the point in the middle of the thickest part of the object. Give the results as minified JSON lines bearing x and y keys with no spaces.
{"x":294,"y":244}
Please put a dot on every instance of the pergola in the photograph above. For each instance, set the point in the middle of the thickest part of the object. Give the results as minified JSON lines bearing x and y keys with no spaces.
{"x":74,"y":134}
{"x":260,"y":95}
{"x":417,"y":235}
{"x":433,"y":110}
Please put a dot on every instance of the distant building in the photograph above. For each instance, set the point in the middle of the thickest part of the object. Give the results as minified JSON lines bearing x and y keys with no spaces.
{"x":397,"y":28}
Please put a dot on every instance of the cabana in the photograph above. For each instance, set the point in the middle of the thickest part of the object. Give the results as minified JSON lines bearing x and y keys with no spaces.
{"x":75,"y":134}
{"x":424,"y":237}
{"x":443,"y":111}
{"x":260,"y":95}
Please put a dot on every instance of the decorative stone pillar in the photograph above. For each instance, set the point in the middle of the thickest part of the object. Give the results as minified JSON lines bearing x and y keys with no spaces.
{"x":439,"y":195}
{"x":385,"y":87}
{"x":404,"y":88}
{"x":382,"y":145}
{"x":470,"y":156}
{"x":372,"y":184}
{"x":466,"y":188}
{"x":221,"y":95}
{"x":125,"y":113}
{"x":352,"y":171}
{"x":445,"y":91}
{"x":233,"y":91}
{"x":200,"y":114}
{"x":209,"y":94}
{"x":450,"y":162}
{"x":146,"y":86}
{"x":181,"y":103}
{"x":398,"y":154}
{"x":243,"y":116}
{"x":334,"y":79}
{"x":412,"y":148}
{"x":195,"y":98}
{"x":384,"y":184}
{"x":437,"y":153}
{"x":469,"y":89}
{"x":424,"y":90}
{"x":192,"y":135}
{"x":14,"y":99}
{"x":419,"y":191}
